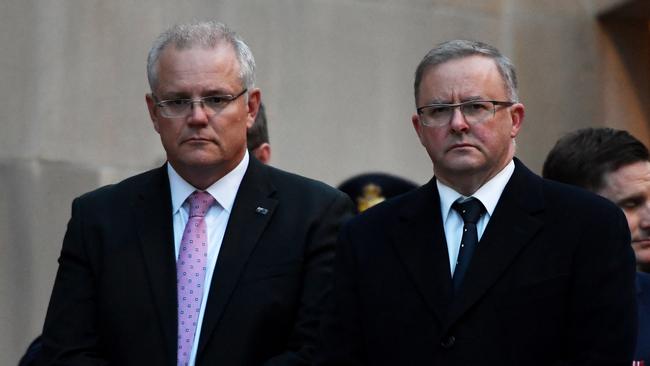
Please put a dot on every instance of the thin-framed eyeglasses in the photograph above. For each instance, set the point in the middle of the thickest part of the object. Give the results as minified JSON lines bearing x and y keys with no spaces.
{"x":212,"y":105}
{"x":474,"y":111}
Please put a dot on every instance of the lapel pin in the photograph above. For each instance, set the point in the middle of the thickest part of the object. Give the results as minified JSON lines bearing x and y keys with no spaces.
{"x":261,"y":210}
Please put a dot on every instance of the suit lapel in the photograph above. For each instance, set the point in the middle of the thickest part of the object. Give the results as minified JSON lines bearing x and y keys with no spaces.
{"x":510,"y":229}
{"x":419,"y":240}
{"x":155,"y":232}
{"x":252,"y":210}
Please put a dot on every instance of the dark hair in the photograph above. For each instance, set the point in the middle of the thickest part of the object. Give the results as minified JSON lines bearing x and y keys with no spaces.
{"x":583,"y":157}
{"x":460,"y":48}
{"x":258,"y":133}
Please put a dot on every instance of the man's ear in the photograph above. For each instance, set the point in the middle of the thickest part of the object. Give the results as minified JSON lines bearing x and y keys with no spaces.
{"x":415,"y":120}
{"x":263,"y":152}
{"x":151,"y":106}
{"x":254,"y":98}
{"x":517,"y":113}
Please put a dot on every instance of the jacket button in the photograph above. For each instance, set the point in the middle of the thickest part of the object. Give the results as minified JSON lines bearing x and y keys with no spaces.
{"x":448,"y":342}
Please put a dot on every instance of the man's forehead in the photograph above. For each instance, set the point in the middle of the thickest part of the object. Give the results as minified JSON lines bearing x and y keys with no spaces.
{"x":463,"y":63}
{"x":178,"y":54}
{"x":220,"y":59}
{"x":627,"y":179}
{"x":468,"y":77}
{"x":635,"y":170}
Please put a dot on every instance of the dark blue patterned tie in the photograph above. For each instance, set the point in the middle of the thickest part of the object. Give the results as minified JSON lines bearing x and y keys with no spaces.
{"x":470,"y":210}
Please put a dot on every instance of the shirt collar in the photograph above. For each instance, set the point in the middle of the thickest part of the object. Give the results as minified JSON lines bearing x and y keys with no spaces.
{"x":488,"y":194}
{"x":224,"y":190}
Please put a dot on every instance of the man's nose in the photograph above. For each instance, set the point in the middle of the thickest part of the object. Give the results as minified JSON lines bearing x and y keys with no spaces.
{"x":198,"y":112}
{"x":458,"y":123}
{"x":644,"y":216}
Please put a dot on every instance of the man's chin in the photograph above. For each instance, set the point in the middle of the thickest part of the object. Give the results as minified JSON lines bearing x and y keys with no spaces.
{"x":463,"y":165}
{"x":198,"y":157}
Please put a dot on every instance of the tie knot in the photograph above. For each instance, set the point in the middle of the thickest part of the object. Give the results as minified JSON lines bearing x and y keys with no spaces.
{"x":469,"y":210}
{"x":200,"y":202}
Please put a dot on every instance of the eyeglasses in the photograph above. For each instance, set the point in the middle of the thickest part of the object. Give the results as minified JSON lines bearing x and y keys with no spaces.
{"x":211,"y":105}
{"x":474,"y":111}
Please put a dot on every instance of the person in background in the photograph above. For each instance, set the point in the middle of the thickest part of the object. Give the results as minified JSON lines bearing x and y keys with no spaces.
{"x":257,"y":137}
{"x":211,"y":259}
{"x":370,"y":189}
{"x":615,"y":165}
{"x":487,"y":263}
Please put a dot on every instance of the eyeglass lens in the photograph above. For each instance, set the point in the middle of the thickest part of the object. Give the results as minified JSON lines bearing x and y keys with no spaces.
{"x":474,"y":112}
{"x":183,"y":107}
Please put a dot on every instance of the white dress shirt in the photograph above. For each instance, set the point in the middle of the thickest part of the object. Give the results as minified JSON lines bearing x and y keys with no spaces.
{"x":224,"y":191}
{"x":488,"y":194}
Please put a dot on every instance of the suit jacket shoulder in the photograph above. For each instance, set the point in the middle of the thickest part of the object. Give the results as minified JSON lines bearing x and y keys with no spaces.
{"x":294,"y":186}
{"x":155,"y":181}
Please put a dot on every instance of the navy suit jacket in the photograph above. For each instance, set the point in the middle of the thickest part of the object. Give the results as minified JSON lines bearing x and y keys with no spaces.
{"x":114,"y":298}
{"x":643,"y":301}
{"x":551,"y":283}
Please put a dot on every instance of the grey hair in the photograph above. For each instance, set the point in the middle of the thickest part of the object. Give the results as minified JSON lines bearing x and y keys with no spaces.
{"x":207,"y":34}
{"x":455,"y":49}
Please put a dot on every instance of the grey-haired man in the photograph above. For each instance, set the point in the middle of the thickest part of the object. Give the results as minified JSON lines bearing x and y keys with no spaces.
{"x":211,"y":259}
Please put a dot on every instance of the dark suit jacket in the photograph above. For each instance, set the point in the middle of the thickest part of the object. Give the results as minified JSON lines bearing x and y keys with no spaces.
{"x":643,"y":301}
{"x":32,"y":354}
{"x":114,"y":298}
{"x":552,"y":280}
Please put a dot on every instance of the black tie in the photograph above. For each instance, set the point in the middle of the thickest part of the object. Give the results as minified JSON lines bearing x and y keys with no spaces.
{"x":470,"y":211}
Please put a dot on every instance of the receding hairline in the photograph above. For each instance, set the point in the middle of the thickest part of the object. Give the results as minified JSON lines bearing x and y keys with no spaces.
{"x":196,"y":46}
{"x":461,"y":48}
{"x":428,"y":68}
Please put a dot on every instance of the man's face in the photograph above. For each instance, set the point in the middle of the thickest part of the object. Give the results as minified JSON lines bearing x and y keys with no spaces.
{"x":458,"y":149}
{"x":629,"y":188}
{"x":199,"y":144}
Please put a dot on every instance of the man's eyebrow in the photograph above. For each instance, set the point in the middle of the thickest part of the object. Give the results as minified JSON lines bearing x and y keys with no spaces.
{"x":632,"y":197}
{"x":437,"y":101}
{"x":217,"y":91}
{"x":447,"y":101}
{"x":173,"y":95}
{"x":184,"y":95}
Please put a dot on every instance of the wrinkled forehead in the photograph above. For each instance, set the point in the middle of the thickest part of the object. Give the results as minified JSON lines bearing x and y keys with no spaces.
{"x":197,"y":67}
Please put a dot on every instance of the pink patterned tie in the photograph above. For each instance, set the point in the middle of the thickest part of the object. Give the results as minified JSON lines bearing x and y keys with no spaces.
{"x":190,"y":272}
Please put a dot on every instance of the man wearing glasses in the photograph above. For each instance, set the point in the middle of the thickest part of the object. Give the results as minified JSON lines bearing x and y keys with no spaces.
{"x":211,"y":259}
{"x":487,"y":264}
